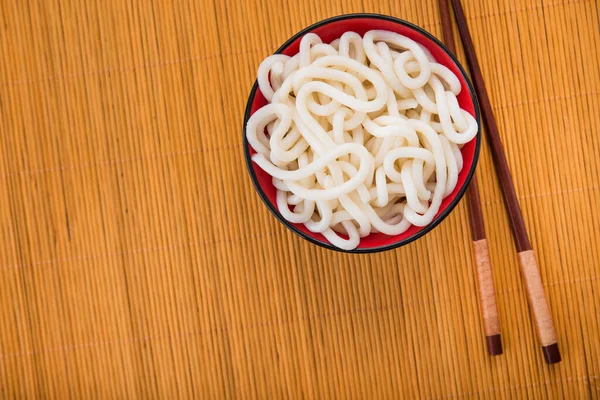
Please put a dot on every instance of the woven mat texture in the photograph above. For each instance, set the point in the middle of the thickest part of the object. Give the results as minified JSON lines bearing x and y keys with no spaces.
{"x":136,"y":259}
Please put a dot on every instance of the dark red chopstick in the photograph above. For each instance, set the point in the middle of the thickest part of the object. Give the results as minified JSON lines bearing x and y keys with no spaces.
{"x":485,"y":281}
{"x":529,"y":268}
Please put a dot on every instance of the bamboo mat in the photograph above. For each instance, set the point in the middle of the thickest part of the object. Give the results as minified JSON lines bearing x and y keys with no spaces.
{"x":137,"y":261}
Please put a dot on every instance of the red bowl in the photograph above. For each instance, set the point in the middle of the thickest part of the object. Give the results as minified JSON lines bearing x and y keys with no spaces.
{"x":329,"y":30}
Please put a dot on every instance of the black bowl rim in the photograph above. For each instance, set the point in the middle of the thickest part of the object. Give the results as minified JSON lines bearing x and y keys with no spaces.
{"x":433,"y":223}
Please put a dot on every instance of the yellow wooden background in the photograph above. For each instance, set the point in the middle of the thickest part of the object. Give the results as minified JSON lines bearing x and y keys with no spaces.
{"x":136,"y":260}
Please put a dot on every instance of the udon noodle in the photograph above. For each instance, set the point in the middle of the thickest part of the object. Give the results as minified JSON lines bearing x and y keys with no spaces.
{"x":360,"y":135}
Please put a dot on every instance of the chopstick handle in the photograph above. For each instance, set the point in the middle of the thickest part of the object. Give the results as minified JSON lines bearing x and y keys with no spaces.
{"x":544,"y":327}
{"x":487,"y":297}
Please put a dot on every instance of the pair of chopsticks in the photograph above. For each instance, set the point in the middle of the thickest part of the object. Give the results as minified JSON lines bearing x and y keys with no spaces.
{"x":529,"y":269}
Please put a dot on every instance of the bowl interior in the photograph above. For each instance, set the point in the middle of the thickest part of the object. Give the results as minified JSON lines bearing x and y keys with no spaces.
{"x":329,"y":31}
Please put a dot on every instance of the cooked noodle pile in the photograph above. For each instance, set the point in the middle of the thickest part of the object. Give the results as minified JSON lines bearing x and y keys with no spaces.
{"x":361,"y":135}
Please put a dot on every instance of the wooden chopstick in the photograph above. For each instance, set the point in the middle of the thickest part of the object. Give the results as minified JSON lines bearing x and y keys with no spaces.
{"x":485,"y":281}
{"x":529,"y":268}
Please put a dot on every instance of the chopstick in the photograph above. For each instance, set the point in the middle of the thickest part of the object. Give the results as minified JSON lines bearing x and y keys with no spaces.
{"x":485,"y":280}
{"x":531,"y":274}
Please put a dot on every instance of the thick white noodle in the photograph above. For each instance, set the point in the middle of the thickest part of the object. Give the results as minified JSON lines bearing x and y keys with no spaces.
{"x":360,"y":135}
